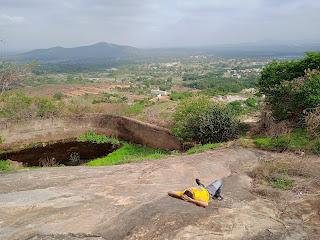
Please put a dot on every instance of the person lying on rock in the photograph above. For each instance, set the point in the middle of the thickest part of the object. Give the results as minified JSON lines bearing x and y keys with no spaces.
{"x":200,"y":195}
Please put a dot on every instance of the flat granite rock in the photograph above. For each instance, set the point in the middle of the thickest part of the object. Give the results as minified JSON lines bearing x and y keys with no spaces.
{"x":130,"y":201}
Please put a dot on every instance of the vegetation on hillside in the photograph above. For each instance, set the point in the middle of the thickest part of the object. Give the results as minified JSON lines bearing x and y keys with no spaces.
{"x":297,"y":140}
{"x":55,"y":93}
{"x":137,"y":107}
{"x":176,"y":96}
{"x":8,"y":75}
{"x":18,"y":105}
{"x":110,"y":98}
{"x":291,"y":87}
{"x":292,"y":90}
{"x":21,"y":106}
{"x":214,"y":84}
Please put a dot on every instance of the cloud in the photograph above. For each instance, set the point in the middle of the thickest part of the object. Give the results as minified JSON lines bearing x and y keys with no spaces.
{"x":9,"y":20}
{"x":156,"y":23}
{"x":24,"y":4}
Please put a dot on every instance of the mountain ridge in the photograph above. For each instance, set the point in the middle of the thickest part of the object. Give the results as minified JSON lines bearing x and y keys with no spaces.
{"x":100,"y":50}
{"x":103,"y":52}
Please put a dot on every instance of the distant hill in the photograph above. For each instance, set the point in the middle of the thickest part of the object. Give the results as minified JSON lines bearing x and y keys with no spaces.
{"x":97,"y":52}
{"x":104,"y":55}
{"x":106,"y":52}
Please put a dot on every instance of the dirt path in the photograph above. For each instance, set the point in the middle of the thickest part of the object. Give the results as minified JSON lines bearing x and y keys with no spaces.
{"x":130,"y":201}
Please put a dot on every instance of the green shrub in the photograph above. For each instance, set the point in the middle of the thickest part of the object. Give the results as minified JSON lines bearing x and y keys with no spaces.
{"x":4,"y":166}
{"x":198,"y":119}
{"x":315,"y":146}
{"x":216,"y":125}
{"x":308,"y":95}
{"x":15,"y":105}
{"x":46,"y":108}
{"x":2,"y":139}
{"x":74,"y":158}
{"x":78,"y":105}
{"x":288,"y":89}
{"x":312,"y":122}
{"x":187,"y":116}
{"x":9,"y":75}
{"x":236,"y":108}
{"x":251,"y":102}
{"x":58,"y":96}
{"x":18,"y":105}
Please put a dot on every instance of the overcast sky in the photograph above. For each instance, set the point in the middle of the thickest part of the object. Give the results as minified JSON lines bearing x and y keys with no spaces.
{"x":29,"y":24}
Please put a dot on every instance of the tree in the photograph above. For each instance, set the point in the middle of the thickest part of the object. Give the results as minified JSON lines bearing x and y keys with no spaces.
{"x":8,"y":76}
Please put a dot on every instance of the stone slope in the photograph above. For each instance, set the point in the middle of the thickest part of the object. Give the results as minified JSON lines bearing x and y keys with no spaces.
{"x":130,"y":201}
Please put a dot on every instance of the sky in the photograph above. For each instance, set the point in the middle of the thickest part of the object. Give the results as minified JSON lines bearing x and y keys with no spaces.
{"x":32,"y":24}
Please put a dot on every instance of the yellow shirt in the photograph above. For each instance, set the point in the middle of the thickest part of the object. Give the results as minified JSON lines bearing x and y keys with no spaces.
{"x":199,"y":194}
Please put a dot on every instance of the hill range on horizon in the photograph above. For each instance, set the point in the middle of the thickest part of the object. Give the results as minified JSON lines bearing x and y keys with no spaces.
{"x":101,"y":50}
{"x":105,"y":52}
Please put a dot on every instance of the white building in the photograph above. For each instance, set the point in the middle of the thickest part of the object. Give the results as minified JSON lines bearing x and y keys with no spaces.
{"x":159,"y":92}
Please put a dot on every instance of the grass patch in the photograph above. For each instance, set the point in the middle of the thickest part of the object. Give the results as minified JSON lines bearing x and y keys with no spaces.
{"x":90,"y":136}
{"x":128,"y":153}
{"x":314,"y":146}
{"x":1,"y":139}
{"x":203,"y":148}
{"x":246,"y":142}
{"x":297,"y":140}
{"x":278,"y":173}
{"x":110,"y":98}
{"x":137,"y":107}
{"x":4,"y":166}
{"x":243,"y":108}
{"x":281,"y":182}
{"x":264,"y":142}
{"x":176,"y":96}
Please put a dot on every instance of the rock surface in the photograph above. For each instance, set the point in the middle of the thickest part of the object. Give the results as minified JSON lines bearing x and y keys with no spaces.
{"x":130,"y":201}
